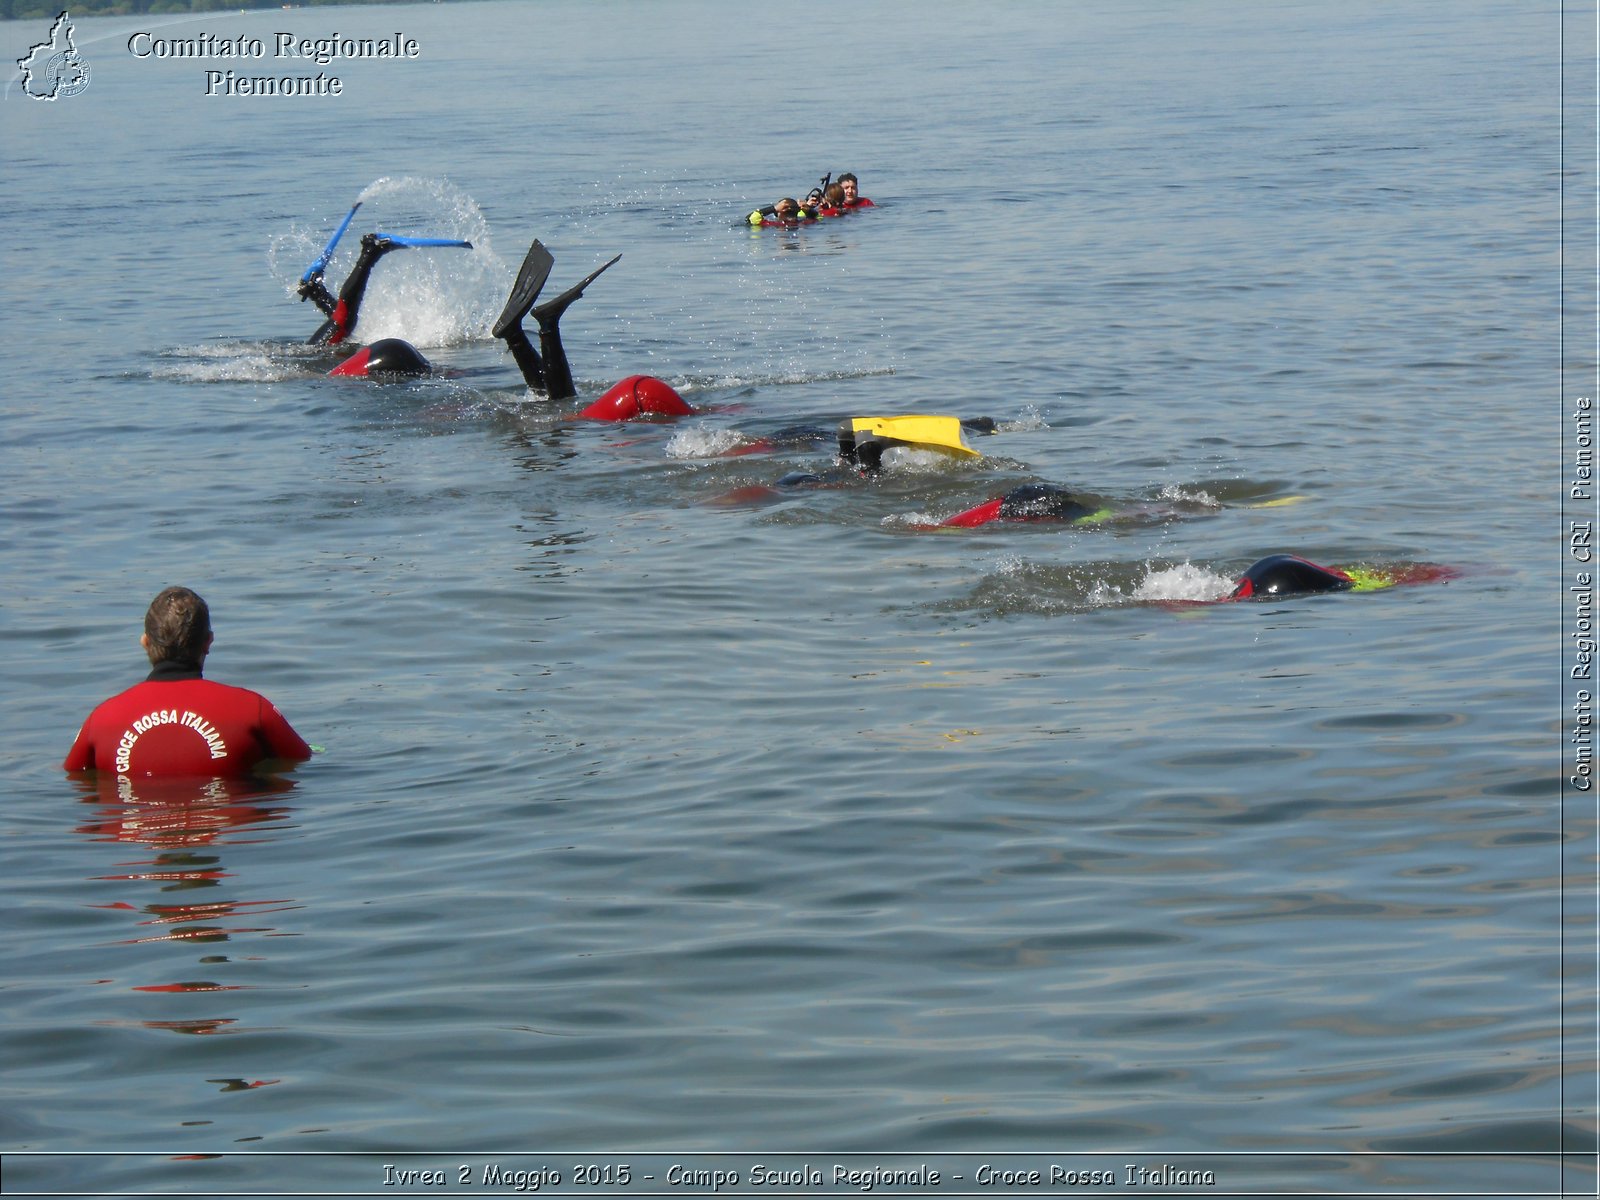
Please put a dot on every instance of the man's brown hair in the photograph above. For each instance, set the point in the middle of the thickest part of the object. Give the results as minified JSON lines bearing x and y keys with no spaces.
{"x":178,"y":624}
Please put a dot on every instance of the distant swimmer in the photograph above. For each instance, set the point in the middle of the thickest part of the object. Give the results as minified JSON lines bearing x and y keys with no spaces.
{"x":176,"y":723}
{"x":830,"y":202}
{"x":786,"y":213}
{"x":343,"y":310}
{"x":852,"y":192}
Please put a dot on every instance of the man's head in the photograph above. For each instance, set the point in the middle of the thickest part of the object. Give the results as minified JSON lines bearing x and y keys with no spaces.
{"x":848,"y":182}
{"x":177,"y":628}
{"x":786,"y":209}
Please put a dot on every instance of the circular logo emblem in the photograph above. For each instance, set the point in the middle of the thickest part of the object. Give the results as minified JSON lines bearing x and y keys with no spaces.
{"x":67,"y":74}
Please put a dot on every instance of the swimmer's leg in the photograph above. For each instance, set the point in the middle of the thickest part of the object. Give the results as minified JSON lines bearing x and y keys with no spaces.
{"x":343,"y":317}
{"x":557,"y":374}
{"x":530,"y":281}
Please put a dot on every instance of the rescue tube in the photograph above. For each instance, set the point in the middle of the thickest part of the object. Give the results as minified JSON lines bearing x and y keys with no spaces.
{"x":389,"y":357}
{"x":637,"y":396}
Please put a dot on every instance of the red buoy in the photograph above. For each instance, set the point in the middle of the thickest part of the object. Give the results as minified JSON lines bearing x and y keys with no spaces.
{"x":635,"y":396}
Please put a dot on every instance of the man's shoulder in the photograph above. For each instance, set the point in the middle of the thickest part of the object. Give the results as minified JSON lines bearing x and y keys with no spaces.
{"x":218,"y":691}
{"x":168,"y":692}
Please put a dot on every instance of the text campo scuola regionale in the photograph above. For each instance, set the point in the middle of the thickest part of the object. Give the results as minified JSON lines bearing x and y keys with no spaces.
{"x":321,"y":51}
{"x":835,"y":1177}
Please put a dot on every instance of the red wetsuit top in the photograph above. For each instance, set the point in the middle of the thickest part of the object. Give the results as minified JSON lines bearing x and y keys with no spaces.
{"x":177,"y":724}
{"x":860,"y":202}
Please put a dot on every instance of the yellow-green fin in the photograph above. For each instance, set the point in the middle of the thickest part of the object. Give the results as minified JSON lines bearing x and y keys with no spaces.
{"x":1280,"y":502}
{"x":1368,"y":580}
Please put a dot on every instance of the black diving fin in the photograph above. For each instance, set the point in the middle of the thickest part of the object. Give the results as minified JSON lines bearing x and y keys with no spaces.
{"x":551,"y":310}
{"x":530,"y":280}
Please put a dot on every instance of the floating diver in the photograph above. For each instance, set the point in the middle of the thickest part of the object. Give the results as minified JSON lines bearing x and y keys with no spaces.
{"x":342,"y":310}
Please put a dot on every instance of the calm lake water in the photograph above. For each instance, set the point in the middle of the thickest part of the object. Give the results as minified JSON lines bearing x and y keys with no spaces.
{"x":660,"y":816}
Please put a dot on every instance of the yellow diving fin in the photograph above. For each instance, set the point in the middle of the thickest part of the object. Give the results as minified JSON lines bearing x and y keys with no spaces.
{"x":863,"y":439}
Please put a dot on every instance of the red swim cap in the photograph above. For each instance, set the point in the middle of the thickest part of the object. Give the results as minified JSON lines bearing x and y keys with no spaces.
{"x":636,"y":396}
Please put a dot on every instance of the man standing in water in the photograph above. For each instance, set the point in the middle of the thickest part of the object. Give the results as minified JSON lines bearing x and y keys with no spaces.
{"x":175,"y":723}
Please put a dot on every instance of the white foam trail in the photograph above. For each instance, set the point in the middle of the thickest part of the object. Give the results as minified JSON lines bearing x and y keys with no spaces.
{"x":703,"y":443}
{"x":227,"y":362}
{"x":1184,"y":582}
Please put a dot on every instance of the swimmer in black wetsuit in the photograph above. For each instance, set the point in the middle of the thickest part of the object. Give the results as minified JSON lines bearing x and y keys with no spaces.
{"x":1288,"y":575}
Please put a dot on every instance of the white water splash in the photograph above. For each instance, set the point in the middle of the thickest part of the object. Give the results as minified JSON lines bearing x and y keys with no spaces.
{"x":1176,"y":493}
{"x":915,"y":460}
{"x":1183,"y":582}
{"x":704,"y":443}
{"x":1027,"y":421}
{"x":430,"y":296}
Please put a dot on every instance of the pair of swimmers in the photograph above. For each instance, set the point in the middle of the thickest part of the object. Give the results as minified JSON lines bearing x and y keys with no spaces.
{"x":545,"y":368}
